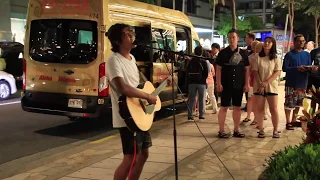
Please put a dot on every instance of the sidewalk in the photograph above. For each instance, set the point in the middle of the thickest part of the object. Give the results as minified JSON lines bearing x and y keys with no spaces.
{"x":244,"y":158}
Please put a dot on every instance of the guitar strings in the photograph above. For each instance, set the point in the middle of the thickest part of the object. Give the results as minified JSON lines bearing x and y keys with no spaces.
{"x":189,"y":110}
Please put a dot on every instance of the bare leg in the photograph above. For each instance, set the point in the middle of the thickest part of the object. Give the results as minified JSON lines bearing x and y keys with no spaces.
{"x":123,"y":169}
{"x":260,"y":103}
{"x":236,"y":117}
{"x":287,"y":112}
{"x":222,"y":118}
{"x":295,"y":113}
{"x":249,"y":107}
{"x":273,"y":106}
{"x":138,"y":166}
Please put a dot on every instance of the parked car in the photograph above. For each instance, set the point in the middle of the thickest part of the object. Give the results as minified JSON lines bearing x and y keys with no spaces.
{"x":7,"y":85}
{"x":12,"y":52}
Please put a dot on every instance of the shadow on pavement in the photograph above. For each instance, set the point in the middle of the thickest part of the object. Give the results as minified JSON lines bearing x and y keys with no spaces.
{"x":81,"y":129}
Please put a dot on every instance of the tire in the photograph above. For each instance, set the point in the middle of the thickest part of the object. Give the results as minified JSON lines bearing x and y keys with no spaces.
{"x":5,"y":90}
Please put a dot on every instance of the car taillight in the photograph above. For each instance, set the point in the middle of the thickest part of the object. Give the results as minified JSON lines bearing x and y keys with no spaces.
{"x":24,"y":73}
{"x":103,"y":82}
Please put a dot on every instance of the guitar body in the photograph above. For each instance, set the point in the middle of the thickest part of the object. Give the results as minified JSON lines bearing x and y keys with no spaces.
{"x":134,"y":114}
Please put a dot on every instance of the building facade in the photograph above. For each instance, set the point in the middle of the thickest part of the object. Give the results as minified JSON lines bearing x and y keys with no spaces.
{"x":260,"y":8}
{"x":13,"y":20}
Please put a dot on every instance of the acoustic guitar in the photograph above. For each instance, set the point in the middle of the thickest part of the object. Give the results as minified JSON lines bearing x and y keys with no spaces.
{"x":137,"y":113}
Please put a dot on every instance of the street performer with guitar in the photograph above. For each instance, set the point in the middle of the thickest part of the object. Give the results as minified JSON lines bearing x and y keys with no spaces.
{"x":123,"y":76}
{"x":133,"y":107}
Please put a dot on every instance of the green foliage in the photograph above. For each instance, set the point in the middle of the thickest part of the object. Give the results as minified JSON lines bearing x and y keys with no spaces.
{"x":299,"y":162}
{"x":284,"y":3}
{"x":248,"y":24}
{"x":311,"y":7}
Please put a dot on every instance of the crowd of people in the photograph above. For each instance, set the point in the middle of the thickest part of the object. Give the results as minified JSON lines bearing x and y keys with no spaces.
{"x":233,"y":73}
{"x":253,"y":71}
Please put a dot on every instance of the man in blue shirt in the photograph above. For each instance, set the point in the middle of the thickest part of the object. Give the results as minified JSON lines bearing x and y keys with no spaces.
{"x":294,"y":65}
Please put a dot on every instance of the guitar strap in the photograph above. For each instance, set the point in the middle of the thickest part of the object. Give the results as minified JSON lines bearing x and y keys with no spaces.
{"x":142,"y":76}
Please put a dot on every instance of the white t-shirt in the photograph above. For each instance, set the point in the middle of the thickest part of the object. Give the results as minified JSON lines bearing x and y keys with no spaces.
{"x":119,"y":66}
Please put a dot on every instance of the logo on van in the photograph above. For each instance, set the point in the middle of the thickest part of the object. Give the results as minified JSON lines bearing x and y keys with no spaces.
{"x":45,"y":78}
{"x":65,"y":6}
{"x":66,"y":79}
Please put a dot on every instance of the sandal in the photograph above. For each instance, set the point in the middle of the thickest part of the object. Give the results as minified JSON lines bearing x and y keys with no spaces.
{"x":296,"y":124}
{"x":223,"y":135}
{"x":246,"y":120}
{"x":238,"y":134}
{"x":289,"y":126}
{"x":276,"y":134}
{"x":261,"y":134}
{"x":254,"y":123}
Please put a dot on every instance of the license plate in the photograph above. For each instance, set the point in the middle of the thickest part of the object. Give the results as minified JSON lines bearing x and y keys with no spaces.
{"x":75,"y":103}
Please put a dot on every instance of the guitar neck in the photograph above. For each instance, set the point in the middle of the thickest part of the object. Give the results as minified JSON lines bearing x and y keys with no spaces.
{"x":157,"y":91}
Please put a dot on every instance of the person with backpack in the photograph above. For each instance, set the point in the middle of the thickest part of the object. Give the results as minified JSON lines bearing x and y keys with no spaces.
{"x":197,"y":71}
{"x":232,"y":75}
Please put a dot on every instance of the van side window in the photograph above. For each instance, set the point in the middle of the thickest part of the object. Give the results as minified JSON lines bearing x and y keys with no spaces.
{"x":195,"y":43}
{"x":85,"y":37}
{"x":164,"y":40}
{"x":183,"y":40}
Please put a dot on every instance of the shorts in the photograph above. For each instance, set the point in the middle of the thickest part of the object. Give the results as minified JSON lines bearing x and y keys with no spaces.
{"x":143,"y":140}
{"x":265,"y":94}
{"x":233,"y":94}
{"x":294,"y":97}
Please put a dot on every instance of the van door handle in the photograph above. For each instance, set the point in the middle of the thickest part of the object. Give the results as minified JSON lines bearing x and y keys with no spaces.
{"x":69,"y":72}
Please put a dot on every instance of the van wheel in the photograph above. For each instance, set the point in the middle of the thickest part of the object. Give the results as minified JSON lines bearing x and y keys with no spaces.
{"x":5,"y":90}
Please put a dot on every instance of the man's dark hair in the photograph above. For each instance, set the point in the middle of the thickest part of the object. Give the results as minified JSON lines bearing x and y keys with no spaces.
{"x":251,"y":35}
{"x":233,"y":31}
{"x":198,"y":50}
{"x":297,"y":36}
{"x":114,"y":34}
{"x":215,"y":45}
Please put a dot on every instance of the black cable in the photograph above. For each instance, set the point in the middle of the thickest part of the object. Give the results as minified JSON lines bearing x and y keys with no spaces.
{"x":190,"y":111}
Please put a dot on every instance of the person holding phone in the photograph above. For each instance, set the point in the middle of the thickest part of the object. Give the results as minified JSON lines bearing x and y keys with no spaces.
{"x":295,"y":65}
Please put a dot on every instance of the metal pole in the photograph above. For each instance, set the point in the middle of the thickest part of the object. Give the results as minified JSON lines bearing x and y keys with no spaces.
{"x":183,"y":6}
{"x":285,"y":35}
{"x":283,"y":43}
{"x":213,"y":19}
{"x":174,"y":4}
{"x":264,"y":12}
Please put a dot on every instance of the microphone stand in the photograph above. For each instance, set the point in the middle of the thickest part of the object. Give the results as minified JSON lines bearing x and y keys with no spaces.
{"x":174,"y":122}
{"x":167,"y":51}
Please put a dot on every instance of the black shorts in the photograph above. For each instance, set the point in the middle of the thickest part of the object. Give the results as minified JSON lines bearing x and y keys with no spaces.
{"x":265,"y":94}
{"x":143,"y":140}
{"x":234,"y":94}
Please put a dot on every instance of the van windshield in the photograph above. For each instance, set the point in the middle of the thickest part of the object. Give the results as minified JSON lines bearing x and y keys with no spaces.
{"x":66,"y":41}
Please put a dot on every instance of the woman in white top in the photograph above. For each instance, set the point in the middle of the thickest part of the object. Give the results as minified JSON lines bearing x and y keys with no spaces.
{"x":267,"y":68}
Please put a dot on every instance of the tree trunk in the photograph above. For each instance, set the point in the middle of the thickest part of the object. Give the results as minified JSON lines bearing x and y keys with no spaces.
{"x":316,"y":30}
{"x":291,"y":18}
{"x":213,"y":18}
{"x":234,"y":15}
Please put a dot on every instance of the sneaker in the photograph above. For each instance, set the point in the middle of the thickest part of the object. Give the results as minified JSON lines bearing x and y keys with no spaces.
{"x":190,"y":119}
{"x":201,"y":118}
{"x":223,"y":135}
